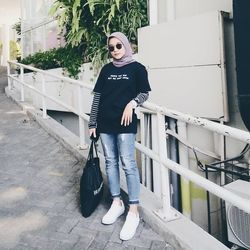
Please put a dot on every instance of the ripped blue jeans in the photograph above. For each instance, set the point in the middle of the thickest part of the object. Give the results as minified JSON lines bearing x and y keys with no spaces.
{"x":121,"y":146}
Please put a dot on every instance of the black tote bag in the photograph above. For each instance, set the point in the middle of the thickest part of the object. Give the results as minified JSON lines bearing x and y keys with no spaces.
{"x":91,"y":184}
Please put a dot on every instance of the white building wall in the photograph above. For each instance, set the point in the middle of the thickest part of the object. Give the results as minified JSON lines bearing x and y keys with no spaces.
{"x":184,"y":8}
{"x":193,"y":7}
{"x":10,"y":12}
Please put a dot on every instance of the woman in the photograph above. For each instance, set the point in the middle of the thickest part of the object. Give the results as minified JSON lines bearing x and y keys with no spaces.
{"x":122,"y":85}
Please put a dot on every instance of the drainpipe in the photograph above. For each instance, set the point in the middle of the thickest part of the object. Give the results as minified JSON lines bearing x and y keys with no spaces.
{"x":184,"y":161}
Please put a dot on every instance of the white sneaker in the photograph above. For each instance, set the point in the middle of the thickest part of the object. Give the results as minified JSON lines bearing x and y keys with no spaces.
{"x":130,"y":226}
{"x":114,"y":212}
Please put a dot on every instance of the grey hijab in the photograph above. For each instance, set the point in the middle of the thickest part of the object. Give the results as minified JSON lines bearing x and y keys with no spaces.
{"x":127,"y":58}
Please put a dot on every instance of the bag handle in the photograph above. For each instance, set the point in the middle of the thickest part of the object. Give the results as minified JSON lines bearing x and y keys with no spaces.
{"x":91,"y":150}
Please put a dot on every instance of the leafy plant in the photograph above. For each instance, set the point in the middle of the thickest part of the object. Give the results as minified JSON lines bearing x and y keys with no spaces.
{"x":68,"y":58}
{"x":15,"y":51}
{"x":17,"y":27}
{"x":87,"y":24}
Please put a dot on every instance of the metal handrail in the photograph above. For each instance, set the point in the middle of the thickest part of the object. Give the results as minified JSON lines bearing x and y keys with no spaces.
{"x":238,"y":134}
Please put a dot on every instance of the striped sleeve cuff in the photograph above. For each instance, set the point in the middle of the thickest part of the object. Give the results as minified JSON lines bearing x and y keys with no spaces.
{"x":94,"y":110}
{"x":141,"y":98}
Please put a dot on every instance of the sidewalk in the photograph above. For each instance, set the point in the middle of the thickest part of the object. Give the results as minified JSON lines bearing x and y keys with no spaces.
{"x":39,"y":206}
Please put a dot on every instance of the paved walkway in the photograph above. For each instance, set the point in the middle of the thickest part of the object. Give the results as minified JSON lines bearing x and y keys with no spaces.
{"x":39,"y":206}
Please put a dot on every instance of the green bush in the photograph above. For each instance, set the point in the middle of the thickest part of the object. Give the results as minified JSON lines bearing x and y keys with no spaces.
{"x":68,"y":58}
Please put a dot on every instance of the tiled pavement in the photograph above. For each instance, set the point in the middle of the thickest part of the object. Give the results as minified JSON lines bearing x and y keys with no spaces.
{"x":39,"y":198}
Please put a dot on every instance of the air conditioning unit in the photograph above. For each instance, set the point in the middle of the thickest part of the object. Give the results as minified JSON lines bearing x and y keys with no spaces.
{"x":238,"y":221}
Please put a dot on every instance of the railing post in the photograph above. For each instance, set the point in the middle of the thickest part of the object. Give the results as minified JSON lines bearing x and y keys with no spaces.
{"x":184,"y":161}
{"x":43,"y":97}
{"x":167,"y":213}
{"x":156,"y":147}
{"x":145,"y":160}
{"x":82,"y":144}
{"x":22,"y":87}
{"x":8,"y":75}
{"x":143,"y":156}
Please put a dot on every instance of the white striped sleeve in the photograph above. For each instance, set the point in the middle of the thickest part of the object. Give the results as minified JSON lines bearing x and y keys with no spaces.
{"x":94,"y":110}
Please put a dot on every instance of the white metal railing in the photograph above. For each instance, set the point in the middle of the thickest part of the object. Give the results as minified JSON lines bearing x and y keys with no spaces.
{"x":160,"y":157}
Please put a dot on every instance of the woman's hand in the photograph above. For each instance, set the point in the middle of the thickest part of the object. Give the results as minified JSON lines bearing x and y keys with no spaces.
{"x":127,"y":114}
{"x":92,"y":131}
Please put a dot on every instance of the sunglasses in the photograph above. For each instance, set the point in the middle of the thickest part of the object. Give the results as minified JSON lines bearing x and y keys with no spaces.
{"x":112,"y":48}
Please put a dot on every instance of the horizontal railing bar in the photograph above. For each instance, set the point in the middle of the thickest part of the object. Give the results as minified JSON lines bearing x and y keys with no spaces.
{"x":213,"y":126}
{"x":84,"y":116}
{"x":217,"y":190}
{"x":225,"y":130}
{"x":63,"y":78}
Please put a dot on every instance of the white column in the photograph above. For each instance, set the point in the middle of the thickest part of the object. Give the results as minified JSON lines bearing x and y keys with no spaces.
{"x":6,"y":44}
{"x":170,"y":10}
{"x":153,"y":12}
{"x":22,"y":28}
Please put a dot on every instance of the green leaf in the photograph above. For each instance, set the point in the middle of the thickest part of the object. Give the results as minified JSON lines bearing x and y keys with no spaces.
{"x":112,"y":12}
{"x":56,"y":5}
{"x":91,"y":4}
{"x":117,"y":4}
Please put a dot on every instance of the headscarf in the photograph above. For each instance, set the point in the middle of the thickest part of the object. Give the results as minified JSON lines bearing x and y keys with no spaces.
{"x":127,"y":58}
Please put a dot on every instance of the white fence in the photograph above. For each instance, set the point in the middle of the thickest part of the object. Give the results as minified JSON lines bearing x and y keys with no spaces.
{"x":161,"y":157}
